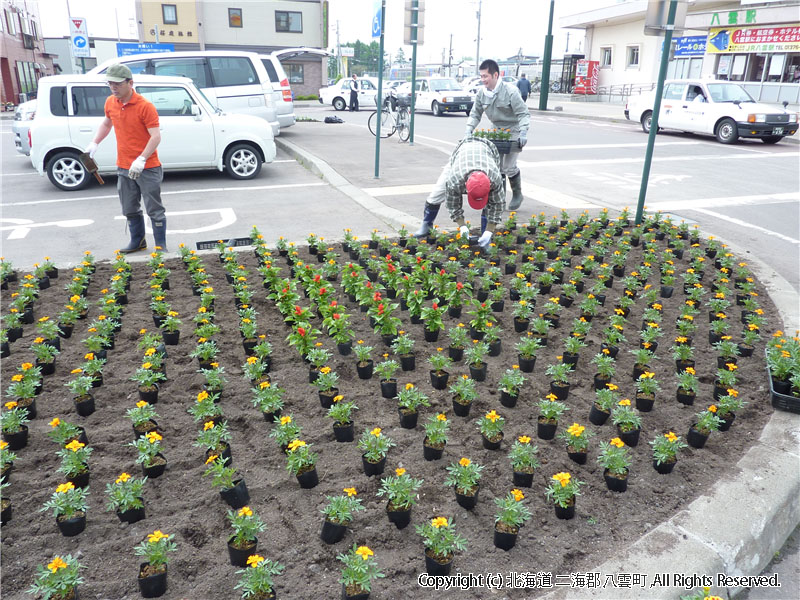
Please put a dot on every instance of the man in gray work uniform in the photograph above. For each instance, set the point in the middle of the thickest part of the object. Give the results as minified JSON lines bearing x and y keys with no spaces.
{"x":503,"y":105}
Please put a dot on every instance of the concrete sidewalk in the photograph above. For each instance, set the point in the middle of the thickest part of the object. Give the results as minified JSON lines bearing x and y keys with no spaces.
{"x":759,"y":499}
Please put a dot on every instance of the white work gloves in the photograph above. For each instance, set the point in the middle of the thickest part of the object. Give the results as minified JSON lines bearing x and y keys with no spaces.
{"x":485,"y":238}
{"x":91,"y":149}
{"x":463,"y":231}
{"x":523,"y":139}
{"x":136,"y":167}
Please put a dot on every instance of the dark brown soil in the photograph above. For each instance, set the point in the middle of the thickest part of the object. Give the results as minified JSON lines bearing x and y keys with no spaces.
{"x":183,"y":503}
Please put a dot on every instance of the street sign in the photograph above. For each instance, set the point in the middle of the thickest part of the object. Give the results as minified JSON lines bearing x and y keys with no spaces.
{"x":376,"y":20}
{"x":348,"y":51}
{"x":409,"y":25}
{"x":79,"y":37}
{"x":126,"y":49}
{"x":655,"y":19}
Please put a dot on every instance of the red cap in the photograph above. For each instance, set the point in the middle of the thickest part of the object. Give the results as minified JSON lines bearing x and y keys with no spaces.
{"x":478,"y":186}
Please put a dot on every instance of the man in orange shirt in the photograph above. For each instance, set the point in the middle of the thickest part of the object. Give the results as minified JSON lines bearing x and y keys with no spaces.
{"x":139,"y":173}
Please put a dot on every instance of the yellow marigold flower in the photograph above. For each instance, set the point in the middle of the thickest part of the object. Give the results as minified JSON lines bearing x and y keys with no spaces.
{"x":364,"y":552}
{"x":399,"y":471}
{"x":295,"y":444}
{"x":562,"y":478}
{"x":617,"y":442}
{"x":409,"y":386}
{"x":712,"y":408}
{"x":552,"y":397}
{"x":647,"y":375}
{"x":56,"y":564}
{"x":524,"y":439}
{"x":208,"y":425}
{"x":18,"y":377}
{"x":26,"y":366}
{"x":518,"y":495}
{"x":492,"y":416}
{"x":325,"y":370}
{"x":612,"y":386}
{"x":671,"y":436}
{"x":286,"y":420}
{"x":123,"y":477}
{"x":465,"y":462}
{"x":150,"y":352}
{"x":732,"y":392}
{"x":156,"y":536}
{"x":153,"y":437}
{"x":576,"y":430}
{"x":11,"y":404}
{"x":74,"y":445}
{"x":624,"y":402}
{"x":55,"y":422}
{"x":211,"y":459}
{"x":245,"y":511}
{"x":731,"y":366}
{"x":65,"y":487}
{"x":376,"y":432}
{"x":690,"y":370}
{"x":439,"y":522}
{"x":338,"y":398}
{"x":351,"y":491}
{"x":264,"y":384}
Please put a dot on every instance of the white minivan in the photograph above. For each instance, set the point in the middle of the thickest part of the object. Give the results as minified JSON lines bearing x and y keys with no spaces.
{"x":194,"y":134}
{"x":236,"y":82}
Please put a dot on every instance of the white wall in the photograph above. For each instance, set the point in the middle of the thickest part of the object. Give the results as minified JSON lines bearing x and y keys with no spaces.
{"x":258,"y":24}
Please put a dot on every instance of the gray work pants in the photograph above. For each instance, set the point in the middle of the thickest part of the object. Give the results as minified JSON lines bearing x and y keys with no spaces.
{"x":146,"y":187}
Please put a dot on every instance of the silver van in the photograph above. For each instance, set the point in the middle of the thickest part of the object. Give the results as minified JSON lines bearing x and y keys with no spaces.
{"x":236,"y":82}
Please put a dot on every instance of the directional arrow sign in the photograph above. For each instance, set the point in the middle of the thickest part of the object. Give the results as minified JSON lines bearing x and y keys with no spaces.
{"x":79,"y":36}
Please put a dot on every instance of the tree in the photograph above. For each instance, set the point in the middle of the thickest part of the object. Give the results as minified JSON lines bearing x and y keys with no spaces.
{"x":400,"y":57}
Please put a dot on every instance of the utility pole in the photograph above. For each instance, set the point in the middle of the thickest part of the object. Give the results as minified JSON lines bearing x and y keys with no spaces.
{"x":566,"y":50}
{"x":548,"y":52}
{"x":338,"y":51}
{"x":478,"y":48}
{"x":450,"y":58}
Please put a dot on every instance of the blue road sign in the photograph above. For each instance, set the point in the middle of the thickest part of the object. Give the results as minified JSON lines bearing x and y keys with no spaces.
{"x":376,"y":21}
{"x":79,"y":41}
{"x":126,"y":49}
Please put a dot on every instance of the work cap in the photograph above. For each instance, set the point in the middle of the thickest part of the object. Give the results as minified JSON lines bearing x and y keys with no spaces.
{"x":118,"y":73}
{"x":478,"y":186}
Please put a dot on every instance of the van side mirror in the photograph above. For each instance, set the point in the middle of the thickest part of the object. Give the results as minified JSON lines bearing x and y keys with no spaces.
{"x":785,"y":104}
{"x":196,"y":112}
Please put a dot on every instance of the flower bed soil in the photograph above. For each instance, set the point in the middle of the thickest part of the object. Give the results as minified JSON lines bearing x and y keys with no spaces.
{"x":183,"y":503}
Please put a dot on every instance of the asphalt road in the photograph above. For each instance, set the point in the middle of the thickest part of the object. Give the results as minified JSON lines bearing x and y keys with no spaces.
{"x":747,"y":193}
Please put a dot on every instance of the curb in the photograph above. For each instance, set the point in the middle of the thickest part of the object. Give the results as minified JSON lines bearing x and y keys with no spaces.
{"x":759,"y":502}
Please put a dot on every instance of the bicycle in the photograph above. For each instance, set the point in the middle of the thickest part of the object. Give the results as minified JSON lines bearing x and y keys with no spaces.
{"x":391,"y":122}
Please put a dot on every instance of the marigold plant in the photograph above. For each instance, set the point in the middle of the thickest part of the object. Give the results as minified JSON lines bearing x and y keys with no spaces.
{"x":374,"y":445}
{"x":512,"y":513}
{"x":562,"y":490}
{"x":67,"y":500}
{"x":155,"y":548}
{"x":400,"y":489}
{"x":440,"y":538}
{"x":125,"y":493}
{"x":360,"y":568}
{"x":666,"y":447}
{"x":246,"y":524}
{"x":614,"y":457}
{"x":464,"y":475}
{"x":340,"y":509}
{"x":58,"y":578}
{"x":436,"y":429}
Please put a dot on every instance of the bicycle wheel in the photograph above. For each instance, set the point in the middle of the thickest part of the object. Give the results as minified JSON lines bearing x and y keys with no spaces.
{"x":403,"y":126}
{"x":387,"y":126}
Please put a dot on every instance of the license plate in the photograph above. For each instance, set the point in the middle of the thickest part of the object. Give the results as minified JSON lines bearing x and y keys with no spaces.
{"x":777,"y":130}
{"x":462,"y":107}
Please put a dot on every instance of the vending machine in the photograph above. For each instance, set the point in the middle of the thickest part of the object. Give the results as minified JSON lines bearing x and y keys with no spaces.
{"x":586,"y":77}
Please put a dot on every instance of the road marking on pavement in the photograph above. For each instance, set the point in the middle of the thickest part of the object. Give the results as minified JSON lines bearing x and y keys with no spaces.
{"x":603,"y":146}
{"x":399,"y":190}
{"x":20,"y":228}
{"x":16,"y":174}
{"x":782,"y":198}
{"x":227,"y":217}
{"x":741,"y":223}
{"x":658,"y":159}
{"x":169,"y":193}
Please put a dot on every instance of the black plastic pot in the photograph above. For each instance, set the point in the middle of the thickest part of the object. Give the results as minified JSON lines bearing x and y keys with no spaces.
{"x":455,"y":354}
{"x":526,"y":364}
{"x":631,"y":438}
{"x":132,"y":515}
{"x":157,"y":469}
{"x":344,"y":433}
{"x":365,"y":370}
{"x":434,"y":567}
{"x":371,"y":468}
{"x":171,"y":338}
{"x":560,"y":390}
{"x":237,"y":496}
{"x":408,"y":420}
{"x":468,"y":501}
{"x":439,"y":379}
{"x":545,"y":430}
{"x":522,"y":479}
{"x":503,"y":540}
{"x":152,"y":586}
{"x":332,"y":532}
{"x":565,"y":512}
{"x":400,"y":518}
{"x":84,"y":405}
{"x":307,"y":480}
{"x":597,"y":416}
{"x":665,"y":467}
{"x":389,"y":388}
{"x":431,"y":453}
{"x":461,"y":410}
{"x":615,"y":484}
{"x":408,"y":362}
{"x":17,"y":440}
{"x":492,"y":444}
{"x":478,"y":373}
{"x":508,"y":400}
{"x":72,"y":526}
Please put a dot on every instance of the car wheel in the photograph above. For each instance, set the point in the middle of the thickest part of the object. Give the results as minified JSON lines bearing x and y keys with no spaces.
{"x":242,"y":161}
{"x":437,"y":111}
{"x":773,"y":139}
{"x":339,"y":104}
{"x":726,"y":132}
{"x":647,"y":120}
{"x":66,"y":172}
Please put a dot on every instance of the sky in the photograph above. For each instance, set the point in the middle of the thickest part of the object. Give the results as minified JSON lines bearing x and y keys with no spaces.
{"x":506,"y":25}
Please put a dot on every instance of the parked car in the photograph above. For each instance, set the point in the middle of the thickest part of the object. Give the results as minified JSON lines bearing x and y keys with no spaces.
{"x":338,"y":94}
{"x":236,"y":82}
{"x":719,"y":108}
{"x":439,"y":95}
{"x":194,"y":133}
{"x":23,"y":115}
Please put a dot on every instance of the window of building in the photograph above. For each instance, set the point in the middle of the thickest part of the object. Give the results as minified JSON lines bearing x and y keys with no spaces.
{"x":605,"y":56}
{"x":290,"y":21}
{"x":89,"y":101}
{"x":232,"y":71}
{"x":632,"y":57}
{"x":26,"y":78}
{"x":234,"y":17}
{"x":193,"y":68}
{"x":34,"y":30}
{"x":169,"y":13}
{"x":294,"y":73}
{"x":10,"y":24}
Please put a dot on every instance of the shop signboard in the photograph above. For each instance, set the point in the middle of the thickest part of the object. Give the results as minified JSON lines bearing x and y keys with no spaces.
{"x":690,"y":45}
{"x":724,"y":40}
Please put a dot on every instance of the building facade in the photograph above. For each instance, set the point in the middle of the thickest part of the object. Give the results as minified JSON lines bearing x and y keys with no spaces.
{"x":23,"y":58}
{"x":756,"y":43}
{"x":262,"y":27}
